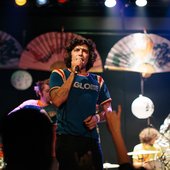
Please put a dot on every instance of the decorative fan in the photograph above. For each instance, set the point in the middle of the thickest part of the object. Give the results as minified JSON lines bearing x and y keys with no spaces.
{"x":47,"y":52}
{"x":140,"y":52}
{"x":10,"y":50}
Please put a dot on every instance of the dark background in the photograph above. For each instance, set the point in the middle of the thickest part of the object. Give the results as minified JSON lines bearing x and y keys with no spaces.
{"x":90,"y":20}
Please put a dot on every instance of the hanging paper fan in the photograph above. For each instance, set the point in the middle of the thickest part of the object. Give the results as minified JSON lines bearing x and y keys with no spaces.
{"x":140,"y":52}
{"x":10,"y":50}
{"x":47,"y":51}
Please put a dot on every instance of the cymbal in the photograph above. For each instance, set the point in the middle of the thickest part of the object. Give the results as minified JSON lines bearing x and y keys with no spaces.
{"x":142,"y":152}
{"x":109,"y":165}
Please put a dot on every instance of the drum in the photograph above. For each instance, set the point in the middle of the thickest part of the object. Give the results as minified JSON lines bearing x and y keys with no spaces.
{"x":154,"y":165}
{"x":167,"y":154}
{"x":165,"y":159}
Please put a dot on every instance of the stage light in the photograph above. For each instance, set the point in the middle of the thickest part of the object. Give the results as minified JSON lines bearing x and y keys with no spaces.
{"x":21,"y":79}
{"x":142,"y":107}
{"x":141,"y":3}
{"x":41,"y":2}
{"x":110,"y":3}
{"x":62,"y":1}
{"x":20,"y":2}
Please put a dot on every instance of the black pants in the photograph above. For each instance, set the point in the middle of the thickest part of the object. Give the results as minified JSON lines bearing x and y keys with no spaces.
{"x":78,"y":153}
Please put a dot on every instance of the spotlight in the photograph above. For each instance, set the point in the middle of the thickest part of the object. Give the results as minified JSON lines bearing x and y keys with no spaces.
{"x":41,"y":2}
{"x":141,"y":3}
{"x":142,"y":107}
{"x":110,"y":3}
{"x":20,"y":2}
{"x":62,"y":1}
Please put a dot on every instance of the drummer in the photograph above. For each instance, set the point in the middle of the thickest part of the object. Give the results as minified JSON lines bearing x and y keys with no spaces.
{"x":147,"y":149}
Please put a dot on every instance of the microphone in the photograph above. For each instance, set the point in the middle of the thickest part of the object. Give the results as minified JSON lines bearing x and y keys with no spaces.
{"x":77,"y":69}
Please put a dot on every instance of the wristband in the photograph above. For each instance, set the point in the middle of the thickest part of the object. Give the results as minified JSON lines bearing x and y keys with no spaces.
{"x":97,"y":117}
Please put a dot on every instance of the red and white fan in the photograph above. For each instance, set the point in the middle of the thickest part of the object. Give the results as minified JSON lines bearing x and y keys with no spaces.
{"x":140,"y":52}
{"x":10,"y":50}
{"x":47,"y":51}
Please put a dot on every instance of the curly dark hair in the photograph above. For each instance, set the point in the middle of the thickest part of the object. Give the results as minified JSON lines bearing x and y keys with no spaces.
{"x":81,"y":41}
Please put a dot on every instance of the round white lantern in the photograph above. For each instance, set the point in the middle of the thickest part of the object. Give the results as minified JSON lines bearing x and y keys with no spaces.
{"x":142,"y":107}
{"x":21,"y":80}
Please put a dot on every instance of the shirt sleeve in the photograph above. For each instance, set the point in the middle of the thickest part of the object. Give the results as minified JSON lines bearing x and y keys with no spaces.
{"x":57,"y":78}
{"x":104,"y":94}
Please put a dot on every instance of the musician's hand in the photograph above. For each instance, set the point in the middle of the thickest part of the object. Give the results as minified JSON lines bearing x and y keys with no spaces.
{"x":91,"y":122}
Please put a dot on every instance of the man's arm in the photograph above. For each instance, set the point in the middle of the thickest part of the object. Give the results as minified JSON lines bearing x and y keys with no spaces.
{"x":91,"y":121}
{"x":105,"y":107}
{"x":60,"y":95}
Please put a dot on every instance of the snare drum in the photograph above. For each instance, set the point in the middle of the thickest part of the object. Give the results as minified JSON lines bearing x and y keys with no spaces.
{"x":154,"y":165}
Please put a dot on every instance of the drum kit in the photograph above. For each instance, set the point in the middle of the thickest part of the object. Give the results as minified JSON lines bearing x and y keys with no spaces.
{"x":165,"y":159}
{"x":157,"y":163}
{"x":164,"y":142}
{"x":162,"y":163}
